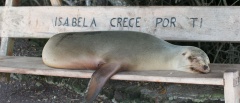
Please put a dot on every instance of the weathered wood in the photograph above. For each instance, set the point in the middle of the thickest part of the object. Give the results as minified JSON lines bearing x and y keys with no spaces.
{"x":210,"y":23}
{"x":56,"y":2}
{"x":34,"y":65}
{"x":1,"y":12}
{"x":12,"y":2}
{"x":231,"y":86}
{"x":6,"y":42}
{"x":6,"y":46}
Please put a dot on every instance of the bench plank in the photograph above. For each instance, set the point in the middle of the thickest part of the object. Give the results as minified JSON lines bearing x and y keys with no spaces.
{"x":35,"y":66}
{"x":170,"y":23}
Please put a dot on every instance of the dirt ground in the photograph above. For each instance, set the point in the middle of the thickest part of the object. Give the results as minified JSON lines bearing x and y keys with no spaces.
{"x":32,"y":91}
{"x":17,"y":91}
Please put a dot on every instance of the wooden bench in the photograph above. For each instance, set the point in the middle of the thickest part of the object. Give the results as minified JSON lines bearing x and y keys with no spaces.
{"x":170,"y":23}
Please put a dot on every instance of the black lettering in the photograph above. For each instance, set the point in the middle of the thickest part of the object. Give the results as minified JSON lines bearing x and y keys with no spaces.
{"x":157,"y":21}
{"x":137,"y":21}
{"x":56,"y":21}
{"x":93,"y":22}
{"x":111,"y":22}
{"x":164,"y":22}
{"x":124,"y":22}
{"x":201,"y":23}
{"x":173,"y":20}
{"x":119,"y":22}
{"x":66,"y":22}
{"x":79,"y":21}
{"x":74,"y":22}
{"x":60,"y":21}
{"x":129,"y":22}
{"x":84,"y":23}
{"x":194,"y":19}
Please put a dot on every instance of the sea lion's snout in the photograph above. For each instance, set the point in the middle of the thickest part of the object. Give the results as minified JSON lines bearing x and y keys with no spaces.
{"x":199,"y":67}
{"x":205,"y":69}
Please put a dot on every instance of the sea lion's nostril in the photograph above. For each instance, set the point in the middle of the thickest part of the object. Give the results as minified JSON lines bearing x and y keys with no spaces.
{"x":205,"y":67}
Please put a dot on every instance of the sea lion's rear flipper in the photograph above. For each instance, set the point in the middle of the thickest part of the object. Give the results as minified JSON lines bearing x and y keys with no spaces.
{"x":99,"y":78}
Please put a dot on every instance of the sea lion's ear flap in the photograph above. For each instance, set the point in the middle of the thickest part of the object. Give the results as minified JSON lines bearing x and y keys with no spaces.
{"x":184,"y":53}
{"x":99,"y":78}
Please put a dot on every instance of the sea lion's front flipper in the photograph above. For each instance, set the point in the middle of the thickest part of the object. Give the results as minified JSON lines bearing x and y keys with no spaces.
{"x":99,"y":78}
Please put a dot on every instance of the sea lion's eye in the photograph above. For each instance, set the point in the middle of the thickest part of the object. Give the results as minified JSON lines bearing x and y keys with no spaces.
{"x":191,"y":58}
{"x":184,"y":53}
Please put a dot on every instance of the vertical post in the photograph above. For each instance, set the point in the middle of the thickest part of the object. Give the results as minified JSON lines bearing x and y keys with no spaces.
{"x":88,"y":2}
{"x":7,"y":46}
{"x":12,"y":3}
{"x":231,"y":86}
{"x":56,"y":2}
{"x":6,"y":42}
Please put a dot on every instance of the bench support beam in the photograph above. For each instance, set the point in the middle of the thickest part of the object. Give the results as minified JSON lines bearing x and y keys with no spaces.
{"x":231,"y":86}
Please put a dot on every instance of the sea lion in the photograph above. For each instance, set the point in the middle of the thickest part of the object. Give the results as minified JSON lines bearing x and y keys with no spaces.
{"x":109,"y":52}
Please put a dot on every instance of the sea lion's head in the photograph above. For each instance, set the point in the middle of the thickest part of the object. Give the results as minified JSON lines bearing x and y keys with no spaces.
{"x":194,"y":60}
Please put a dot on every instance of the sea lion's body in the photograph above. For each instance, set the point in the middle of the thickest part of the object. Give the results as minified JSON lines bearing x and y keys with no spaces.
{"x":88,"y":50}
{"x":112,"y":51}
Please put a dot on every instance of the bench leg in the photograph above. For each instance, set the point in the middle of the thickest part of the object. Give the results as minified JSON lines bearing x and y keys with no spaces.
{"x":231,"y":86}
{"x":7,"y":46}
{"x":7,"y":43}
{"x":56,"y":2}
{"x":6,"y":49}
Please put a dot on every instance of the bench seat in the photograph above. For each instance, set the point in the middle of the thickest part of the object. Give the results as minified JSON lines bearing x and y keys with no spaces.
{"x":35,"y":66}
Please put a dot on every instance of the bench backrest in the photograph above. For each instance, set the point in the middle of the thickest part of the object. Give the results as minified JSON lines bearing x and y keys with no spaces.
{"x":169,"y":23}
